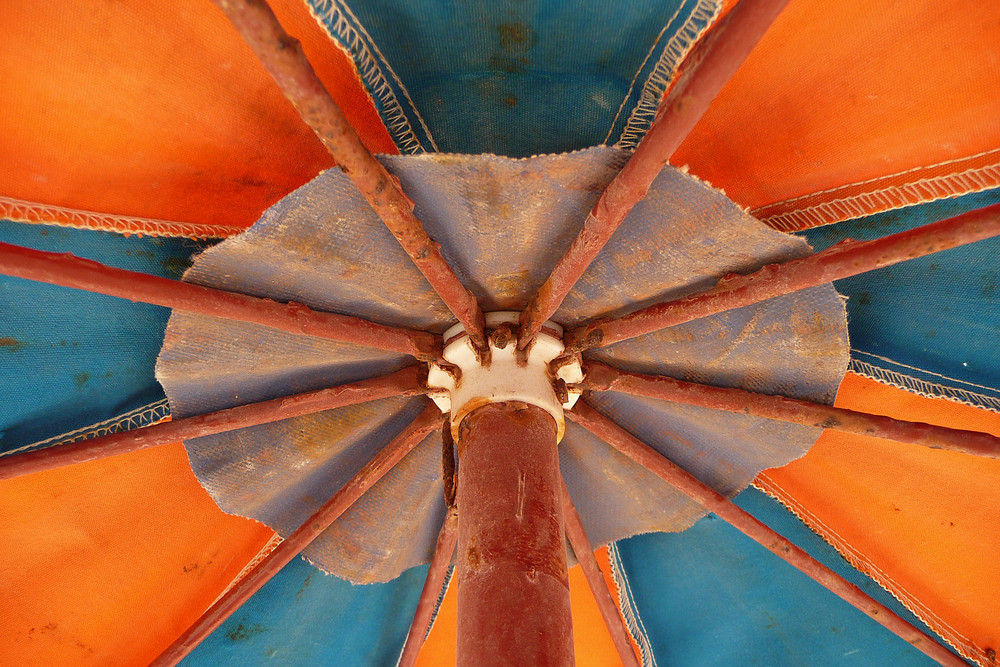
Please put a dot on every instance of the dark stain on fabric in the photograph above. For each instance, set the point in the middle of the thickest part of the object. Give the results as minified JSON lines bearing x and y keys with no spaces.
{"x":516,"y":36}
{"x":511,"y":101}
{"x":12,"y":344}
{"x":175,"y":266}
{"x":81,"y":379}
{"x":991,"y":283}
{"x":242,"y":633}
{"x":864,"y":298}
{"x":305,"y":585}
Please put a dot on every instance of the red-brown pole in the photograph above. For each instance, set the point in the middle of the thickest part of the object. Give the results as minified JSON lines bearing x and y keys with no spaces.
{"x":282,"y":56}
{"x":513,"y":587}
{"x":598,"y":584}
{"x":406,"y":382}
{"x":68,"y":271}
{"x":711,"y":63}
{"x":600,"y":377}
{"x":683,"y":481}
{"x":843,"y":260}
{"x":433,"y":585}
{"x":223,"y":608}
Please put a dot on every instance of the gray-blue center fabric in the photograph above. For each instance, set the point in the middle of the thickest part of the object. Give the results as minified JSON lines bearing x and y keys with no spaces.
{"x":502,"y":223}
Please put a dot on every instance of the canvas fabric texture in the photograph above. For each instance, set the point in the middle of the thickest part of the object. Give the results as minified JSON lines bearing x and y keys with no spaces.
{"x":316,"y":247}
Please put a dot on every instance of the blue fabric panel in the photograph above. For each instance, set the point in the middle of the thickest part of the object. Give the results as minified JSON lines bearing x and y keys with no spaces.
{"x":308,"y":618}
{"x":70,"y":359}
{"x":931,"y":324}
{"x":515,"y":79}
{"x":712,"y":596}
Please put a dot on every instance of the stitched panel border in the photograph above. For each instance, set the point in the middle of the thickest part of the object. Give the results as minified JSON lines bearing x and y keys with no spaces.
{"x":17,"y":210}
{"x":915,"y":186}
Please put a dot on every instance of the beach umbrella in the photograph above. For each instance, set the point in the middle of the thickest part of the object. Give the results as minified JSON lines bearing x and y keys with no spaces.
{"x":516,"y":335}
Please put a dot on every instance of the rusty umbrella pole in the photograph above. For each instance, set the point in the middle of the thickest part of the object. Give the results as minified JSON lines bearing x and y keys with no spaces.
{"x":231,"y":600}
{"x":282,"y":56}
{"x":708,"y":67}
{"x":513,"y":586}
{"x":406,"y":382}
{"x":600,"y":377}
{"x":432,"y":590}
{"x":845,"y":259}
{"x":595,"y":579}
{"x":683,"y":481}
{"x":65,"y":270}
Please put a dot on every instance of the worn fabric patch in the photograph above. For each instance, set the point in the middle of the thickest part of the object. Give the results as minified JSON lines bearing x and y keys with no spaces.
{"x":502,"y":224}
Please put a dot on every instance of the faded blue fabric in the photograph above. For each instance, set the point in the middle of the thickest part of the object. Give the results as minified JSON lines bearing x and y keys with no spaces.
{"x":712,"y":596}
{"x":930,"y":325}
{"x":69,"y":359}
{"x":515,"y":79}
{"x":306,"y":617}
{"x":323,"y":246}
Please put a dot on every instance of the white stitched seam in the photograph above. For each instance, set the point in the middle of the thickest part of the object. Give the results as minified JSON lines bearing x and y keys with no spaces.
{"x":656,"y":85}
{"x":626,"y":605}
{"x":879,"y":576}
{"x":360,"y":46}
{"x":924,"y":387}
{"x":144,"y":416}
{"x":886,"y":199}
{"x":18,"y":210}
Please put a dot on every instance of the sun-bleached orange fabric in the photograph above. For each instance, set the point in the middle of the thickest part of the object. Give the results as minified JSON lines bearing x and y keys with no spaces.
{"x":591,"y":641}
{"x":838,"y":94}
{"x":158,"y":109}
{"x":924,"y":523}
{"x":107,"y":562}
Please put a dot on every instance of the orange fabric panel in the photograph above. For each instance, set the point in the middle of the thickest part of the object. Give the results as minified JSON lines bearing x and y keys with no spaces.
{"x":108,"y":562}
{"x":840,"y":93}
{"x":591,"y":641}
{"x":158,"y":109}
{"x":922,"y":522}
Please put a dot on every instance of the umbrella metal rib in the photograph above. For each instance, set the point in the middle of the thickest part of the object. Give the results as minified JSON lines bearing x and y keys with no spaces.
{"x":708,"y":67}
{"x":432,"y":590}
{"x":601,"y":377}
{"x":282,"y":56}
{"x":231,"y":600}
{"x":405,"y":382}
{"x":845,"y":259}
{"x":595,"y":579}
{"x":606,"y":429}
{"x":68,"y":271}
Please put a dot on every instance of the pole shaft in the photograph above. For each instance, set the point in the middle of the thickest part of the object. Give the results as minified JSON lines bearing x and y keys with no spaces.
{"x":683,"y":481}
{"x":513,"y":587}
{"x":600,"y":377}
{"x":282,"y":56}
{"x":843,"y":260}
{"x":68,"y":271}
{"x":400,"y":383}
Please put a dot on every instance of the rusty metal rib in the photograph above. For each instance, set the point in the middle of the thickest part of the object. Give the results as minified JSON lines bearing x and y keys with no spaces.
{"x":282,"y":56}
{"x":394,"y":452}
{"x":595,"y":579}
{"x":848,"y":258}
{"x":646,"y":456}
{"x":600,"y":377}
{"x":68,"y":271}
{"x":704,"y":72}
{"x":406,"y":382}
{"x":433,"y":587}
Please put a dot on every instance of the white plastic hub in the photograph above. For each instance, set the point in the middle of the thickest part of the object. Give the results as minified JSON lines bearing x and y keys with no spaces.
{"x":504,"y":378}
